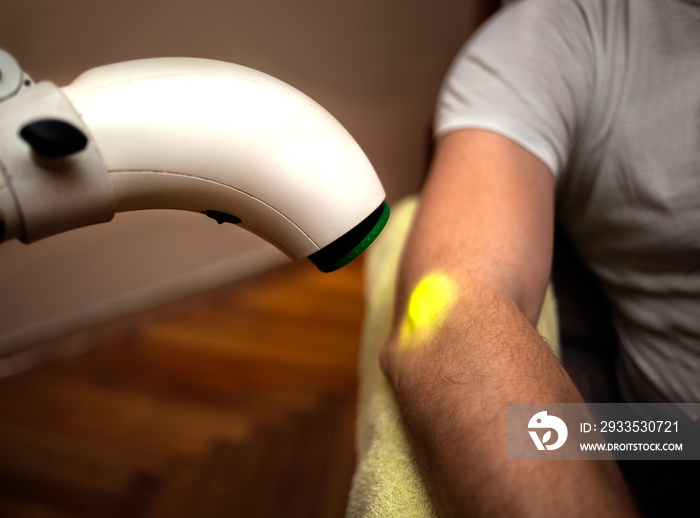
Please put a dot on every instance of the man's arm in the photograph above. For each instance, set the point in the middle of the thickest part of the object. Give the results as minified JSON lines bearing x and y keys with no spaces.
{"x":473,"y":277}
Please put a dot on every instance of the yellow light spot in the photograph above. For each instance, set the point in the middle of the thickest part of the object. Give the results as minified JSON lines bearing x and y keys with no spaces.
{"x":428,"y":307}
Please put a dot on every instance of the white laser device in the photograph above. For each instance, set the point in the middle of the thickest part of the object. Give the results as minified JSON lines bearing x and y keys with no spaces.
{"x":183,"y":133}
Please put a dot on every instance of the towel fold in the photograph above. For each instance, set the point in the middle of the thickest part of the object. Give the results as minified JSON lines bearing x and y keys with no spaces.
{"x":387,"y":481}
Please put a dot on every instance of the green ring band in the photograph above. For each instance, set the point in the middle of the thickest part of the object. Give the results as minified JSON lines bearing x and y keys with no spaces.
{"x":329,"y":266}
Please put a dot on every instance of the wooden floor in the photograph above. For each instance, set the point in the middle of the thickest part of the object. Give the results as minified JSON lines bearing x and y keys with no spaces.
{"x":236,"y":403}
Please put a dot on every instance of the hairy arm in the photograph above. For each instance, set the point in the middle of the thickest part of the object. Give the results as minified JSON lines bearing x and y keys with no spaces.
{"x":485,"y":229}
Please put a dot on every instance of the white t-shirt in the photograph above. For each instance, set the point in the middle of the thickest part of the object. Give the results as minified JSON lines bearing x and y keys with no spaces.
{"x":607,"y":94}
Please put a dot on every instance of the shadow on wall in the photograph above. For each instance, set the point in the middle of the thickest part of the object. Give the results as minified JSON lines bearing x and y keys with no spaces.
{"x":376,"y":66}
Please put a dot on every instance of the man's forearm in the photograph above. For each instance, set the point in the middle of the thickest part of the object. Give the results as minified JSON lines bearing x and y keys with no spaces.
{"x":454,"y":386}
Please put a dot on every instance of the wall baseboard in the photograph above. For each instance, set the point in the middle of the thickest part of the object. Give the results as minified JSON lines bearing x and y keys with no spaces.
{"x":24,"y":348}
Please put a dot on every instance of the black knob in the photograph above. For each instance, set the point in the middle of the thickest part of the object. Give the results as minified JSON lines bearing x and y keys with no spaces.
{"x":53,"y":138}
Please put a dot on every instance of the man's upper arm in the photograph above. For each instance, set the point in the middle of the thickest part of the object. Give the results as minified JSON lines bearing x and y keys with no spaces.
{"x":486,"y":213}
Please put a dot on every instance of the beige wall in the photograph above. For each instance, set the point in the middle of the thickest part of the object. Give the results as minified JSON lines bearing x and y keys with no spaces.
{"x":375,"y":64}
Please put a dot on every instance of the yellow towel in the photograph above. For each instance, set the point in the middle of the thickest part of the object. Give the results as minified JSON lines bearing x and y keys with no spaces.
{"x":387,"y":482}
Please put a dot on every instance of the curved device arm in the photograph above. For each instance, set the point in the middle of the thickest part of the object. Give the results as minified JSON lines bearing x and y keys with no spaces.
{"x":181,"y":133}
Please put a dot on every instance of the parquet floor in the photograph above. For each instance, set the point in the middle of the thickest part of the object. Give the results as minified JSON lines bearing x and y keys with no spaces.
{"x":235,"y":403}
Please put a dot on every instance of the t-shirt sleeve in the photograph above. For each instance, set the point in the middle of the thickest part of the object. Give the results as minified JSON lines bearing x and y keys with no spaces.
{"x":527,"y":74}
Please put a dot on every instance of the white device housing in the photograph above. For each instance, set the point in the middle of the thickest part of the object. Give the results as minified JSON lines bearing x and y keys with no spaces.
{"x":185,"y":133}
{"x":195,"y":134}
